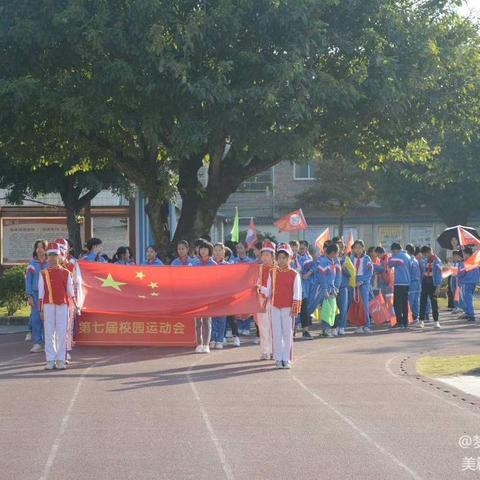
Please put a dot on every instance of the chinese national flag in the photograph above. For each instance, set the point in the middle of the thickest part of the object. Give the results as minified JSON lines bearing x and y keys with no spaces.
{"x":291,"y":222}
{"x":322,"y":238}
{"x":349,"y":244}
{"x":466,"y":238}
{"x":473,"y":261}
{"x":169,"y":292}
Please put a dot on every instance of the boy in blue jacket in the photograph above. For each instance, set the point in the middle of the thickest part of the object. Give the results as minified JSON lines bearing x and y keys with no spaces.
{"x":401,"y":262}
{"x":414,"y":290}
{"x":431,"y":275}
{"x":469,"y":280}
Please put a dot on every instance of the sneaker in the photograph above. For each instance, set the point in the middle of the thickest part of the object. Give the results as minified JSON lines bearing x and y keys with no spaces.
{"x":436,"y":325}
{"x":206,"y":349}
{"x":367,"y":330}
{"x":246,"y":333}
{"x":28,"y":337}
{"x":335,"y":332}
{"x":464,"y":316}
{"x":271,"y":356}
{"x":421,"y":324}
{"x":225,"y":342}
{"x":37,"y":348}
{"x":218,"y":345}
{"x":256,"y":341}
{"x":236,"y":341}
{"x":456,"y":311}
{"x":69,"y":357}
{"x":341,"y":331}
{"x":287,"y":365}
{"x":60,"y":365}
{"x":229,"y":334}
{"x":278,"y":364}
{"x":264,"y":356}
{"x":306,"y":335}
{"x":199,"y":349}
{"x":212,"y":345}
{"x":359,"y":330}
{"x":50,"y":365}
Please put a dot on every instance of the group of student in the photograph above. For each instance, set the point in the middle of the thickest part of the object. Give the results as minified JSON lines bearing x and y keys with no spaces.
{"x":293,"y":283}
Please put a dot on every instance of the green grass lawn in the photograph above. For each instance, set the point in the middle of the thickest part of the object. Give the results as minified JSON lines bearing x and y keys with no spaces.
{"x":448,"y":366}
{"x":23,"y":312}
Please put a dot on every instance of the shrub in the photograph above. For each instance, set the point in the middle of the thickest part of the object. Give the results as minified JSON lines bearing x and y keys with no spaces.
{"x":12,"y":289}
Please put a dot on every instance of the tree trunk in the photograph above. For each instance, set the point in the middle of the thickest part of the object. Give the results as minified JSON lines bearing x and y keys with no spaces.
{"x":341,"y":225}
{"x":74,"y":231}
{"x":157,"y":212}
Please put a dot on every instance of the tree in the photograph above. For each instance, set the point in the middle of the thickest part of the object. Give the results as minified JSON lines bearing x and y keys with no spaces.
{"x":164,"y":88}
{"x":341,"y":184}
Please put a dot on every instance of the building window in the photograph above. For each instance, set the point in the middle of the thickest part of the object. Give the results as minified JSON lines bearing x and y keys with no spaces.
{"x":303,"y":171}
{"x":258,"y":183}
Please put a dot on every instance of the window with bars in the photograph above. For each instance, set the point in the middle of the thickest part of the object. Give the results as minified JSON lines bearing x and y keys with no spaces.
{"x":303,"y":171}
{"x":258,"y":183}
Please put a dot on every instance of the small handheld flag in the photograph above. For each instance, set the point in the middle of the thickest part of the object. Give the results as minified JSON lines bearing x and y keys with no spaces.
{"x":235,"y":228}
{"x":291,"y":222}
{"x":322,"y":238}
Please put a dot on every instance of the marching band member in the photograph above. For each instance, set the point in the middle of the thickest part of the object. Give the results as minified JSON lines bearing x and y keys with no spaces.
{"x":284,"y":288}
{"x":55,"y":291}
{"x":264,"y":317}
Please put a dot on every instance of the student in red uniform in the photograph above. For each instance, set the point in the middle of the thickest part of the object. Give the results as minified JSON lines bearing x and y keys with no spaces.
{"x":264,"y":317}
{"x":55,"y":291}
{"x":285,"y":291}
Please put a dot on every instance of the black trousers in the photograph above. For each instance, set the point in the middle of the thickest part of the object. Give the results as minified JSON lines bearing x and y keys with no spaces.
{"x":400,"y":304}
{"x":232,"y":323}
{"x":428,"y":291}
{"x":450,"y":294}
{"x":305,"y":318}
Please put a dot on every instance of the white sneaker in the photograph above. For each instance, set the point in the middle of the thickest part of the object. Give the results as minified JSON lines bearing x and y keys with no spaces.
{"x":341,"y":331}
{"x":50,"y":365}
{"x":225,"y":342}
{"x":236,"y":341}
{"x":28,"y":337}
{"x":287,"y":365}
{"x":367,"y":330}
{"x":264,"y":356}
{"x":229,"y":334}
{"x":436,"y":325}
{"x":69,"y":357}
{"x":421,"y":324}
{"x":359,"y":330}
{"x":279,"y":364}
{"x":199,"y":349}
{"x":212,"y":345}
{"x":60,"y":365}
{"x":206,"y":349}
{"x":37,"y":348}
{"x":335,"y":332}
{"x":256,"y":341}
{"x":246,"y":333}
{"x":218,"y":345}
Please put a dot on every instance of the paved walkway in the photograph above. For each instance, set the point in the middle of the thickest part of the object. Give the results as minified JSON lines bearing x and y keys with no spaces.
{"x":351,"y":408}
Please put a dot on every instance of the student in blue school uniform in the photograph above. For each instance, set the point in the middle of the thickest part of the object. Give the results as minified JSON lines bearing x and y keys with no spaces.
{"x":94,"y":251}
{"x":151,"y":257}
{"x":122,"y":256}
{"x":203,"y":325}
{"x":343,"y":284}
{"x":469,"y":279}
{"x":327,"y":274}
{"x":307,"y":274}
{"x":401,"y":262}
{"x":363,"y":271}
{"x":431,"y":275}
{"x":415,"y":285}
{"x":219,"y":324}
{"x":183,"y":259}
{"x":242,"y":257}
{"x":35,"y":266}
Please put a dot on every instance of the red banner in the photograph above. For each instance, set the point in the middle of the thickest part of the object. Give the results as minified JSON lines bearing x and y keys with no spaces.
{"x":142,"y":305}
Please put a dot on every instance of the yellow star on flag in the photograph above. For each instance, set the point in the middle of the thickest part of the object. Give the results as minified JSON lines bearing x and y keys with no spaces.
{"x":153,"y":285}
{"x":110,"y":282}
{"x":140,"y":275}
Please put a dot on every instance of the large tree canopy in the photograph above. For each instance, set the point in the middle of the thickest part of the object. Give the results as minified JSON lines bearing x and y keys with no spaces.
{"x":163,"y":88}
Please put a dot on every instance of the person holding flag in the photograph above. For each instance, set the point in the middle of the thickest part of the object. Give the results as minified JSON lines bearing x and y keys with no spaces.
{"x":469,"y":278}
{"x":284,"y":288}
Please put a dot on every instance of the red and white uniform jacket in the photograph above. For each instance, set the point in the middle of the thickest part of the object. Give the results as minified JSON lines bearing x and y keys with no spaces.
{"x":284,"y":288}
{"x":55,"y":286}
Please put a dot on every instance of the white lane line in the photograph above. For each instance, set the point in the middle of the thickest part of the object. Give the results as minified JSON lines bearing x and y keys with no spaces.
{"x":220,"y":452}
{"x":63,"y":426}
{"x":419,"y":387}
{"x":13,"y":360}
{"x":362,"y":433}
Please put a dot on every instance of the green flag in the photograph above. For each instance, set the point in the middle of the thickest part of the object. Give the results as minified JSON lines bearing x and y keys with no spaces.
{"x":235,"y":228}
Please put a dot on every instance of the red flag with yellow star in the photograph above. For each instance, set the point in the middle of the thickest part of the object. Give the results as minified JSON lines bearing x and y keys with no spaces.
{"x":169,"y":292}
